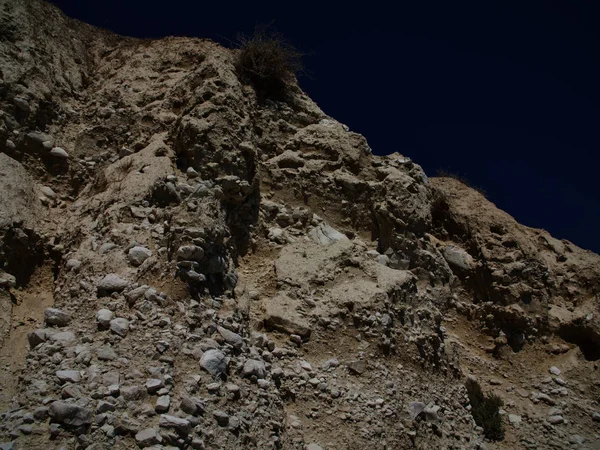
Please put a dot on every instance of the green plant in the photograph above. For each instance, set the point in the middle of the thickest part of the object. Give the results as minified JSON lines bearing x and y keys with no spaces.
{"x":268,"y":62}
{"x":486,"y":411}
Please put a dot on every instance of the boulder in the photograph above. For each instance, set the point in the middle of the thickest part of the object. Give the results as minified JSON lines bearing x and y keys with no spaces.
{"x":415,"y":408}
{"x":181,"y":425}
{"x":357,"y":367}
{"x":162,"y":404}
{"x":111,"y":283}
{"x":254,"y":367}
{"x":457,"y":258}
{"x":230,"y":337}
{"x":153,"y":385}
{"x":36,"y":337}
{"x":54,"y":316}
{"x":70,"y":414}
{"x":104,"y":317}
{"x":59,"y":153}
{"x":214,"y":362}
{"x":148,"y":437}
{"x":137,"y":255}
{"x":7,"y":280}
{"x":281,"y":315}
{"x":119,"y":326}
{"x":19,"y":201}
{"x":190,"y":253}
{"x":72,"y":376}
{"x":325,"y":235}
{"x":64,"y":338}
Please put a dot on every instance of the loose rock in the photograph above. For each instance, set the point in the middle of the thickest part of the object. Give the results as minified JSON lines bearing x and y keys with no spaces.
{"x":137,"y":255}
{"x":111,"y":283}
{"x":119,"y":326}
{"x":54,"y":316}
{"x":70,"y":414}
{"x":214,"y":362}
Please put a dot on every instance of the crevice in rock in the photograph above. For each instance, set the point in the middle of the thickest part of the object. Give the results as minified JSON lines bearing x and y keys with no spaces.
{"x":586,"y":339}
{"x":21,"y":252}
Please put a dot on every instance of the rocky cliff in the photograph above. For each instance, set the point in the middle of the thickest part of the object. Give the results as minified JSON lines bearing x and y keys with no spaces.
{"x":184,"y":265}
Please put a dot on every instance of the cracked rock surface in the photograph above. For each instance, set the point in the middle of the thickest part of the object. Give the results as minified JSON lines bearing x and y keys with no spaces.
{"x":185,"y":266}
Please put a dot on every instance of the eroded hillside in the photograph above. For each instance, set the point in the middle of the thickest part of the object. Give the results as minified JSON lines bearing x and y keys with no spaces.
{"x":183,"y":265}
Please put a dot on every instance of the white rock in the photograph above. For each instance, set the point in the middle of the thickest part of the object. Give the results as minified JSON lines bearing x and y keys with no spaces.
{"x":254,"y":367}
{"x":556,"y":420}
{"x":560,"y":381}
{"x":214,"y":362}
{"x":119,"y":326}
{"x":514,"y":419}
{"x":373,"y":254}
{"x":326,"y":235}
{"x":112,"y":283}
{"x":231,"y":337}
{"x":458,"y":258}
{"x":190,"y":253}
{"x":64,"y":338}
{"x":7,"y":280}
{"x":313,"y":446}
{"x":182,"y":425}
{"x":153,"y":385}
{"x":48,"y":192}
{"x":148,"y":437}
{"x":73,"y":264}
{"x":278,"y":235}
{"x":72,"y":376}
{"x":59,"y":152}
{"x":54,"y":316}
{"x":162,"y":404}
{"x":70,"y":414}
{"x":137,"y":255}
{"x":103,"y":317}
{"x":384,"y":260}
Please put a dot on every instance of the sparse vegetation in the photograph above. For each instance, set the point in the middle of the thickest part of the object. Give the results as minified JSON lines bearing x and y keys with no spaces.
{"x":446,"y":174}
{"x":267,"y":61}
{"x":486,"y":411}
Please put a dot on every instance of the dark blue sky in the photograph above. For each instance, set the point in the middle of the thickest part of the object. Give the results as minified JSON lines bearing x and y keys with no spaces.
{"x":506,"y":95}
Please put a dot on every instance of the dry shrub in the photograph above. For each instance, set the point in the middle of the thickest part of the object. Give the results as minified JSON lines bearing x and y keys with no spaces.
{"x":268,"y":62}
{"x":486,"y":411}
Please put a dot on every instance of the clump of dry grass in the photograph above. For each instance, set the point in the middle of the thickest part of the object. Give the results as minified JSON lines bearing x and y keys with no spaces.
{"x":267,"y":61}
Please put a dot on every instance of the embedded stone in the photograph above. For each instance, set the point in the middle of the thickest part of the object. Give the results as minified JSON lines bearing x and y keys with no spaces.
{"x":214,"y":362}
{"x":104,"y":317}
{"x":54,"y":316}
{"x":181,"y":425}
{"x":111,"y":283}
{"x":72,"y":376}
{"x":138,"y":254}
{"x":148,"y":437}
{"x":59,"y":153}
{"x":70,"y":414}
{"x":119,"y":326}
{"x":254,"y":367}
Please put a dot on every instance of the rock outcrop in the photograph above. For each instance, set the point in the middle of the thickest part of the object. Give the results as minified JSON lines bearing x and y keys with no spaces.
{"x":233,"y":273}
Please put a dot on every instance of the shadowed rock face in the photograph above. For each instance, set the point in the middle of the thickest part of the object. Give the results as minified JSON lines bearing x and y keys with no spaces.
{"x":546,"y":284}
{"x":20,"y":213}
{"x":247,"y":264}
